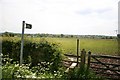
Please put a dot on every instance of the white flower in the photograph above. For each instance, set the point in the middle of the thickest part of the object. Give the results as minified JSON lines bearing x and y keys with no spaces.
{"x":33,"y":76}
{"x":16,"y":65}
{"x":43,"y":77}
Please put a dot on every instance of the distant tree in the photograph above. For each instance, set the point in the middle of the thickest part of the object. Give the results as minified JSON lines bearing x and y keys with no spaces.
{"x":7,"y":34}
{"x":62,"y":35}
{"x":11,"y":34}
{"x":110,"y":37}
{"x":71,"y":36}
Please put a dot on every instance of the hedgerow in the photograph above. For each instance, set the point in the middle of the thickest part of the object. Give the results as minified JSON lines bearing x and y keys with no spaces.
{"x":34,"y":53}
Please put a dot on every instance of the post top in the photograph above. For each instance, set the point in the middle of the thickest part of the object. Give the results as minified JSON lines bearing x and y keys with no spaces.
{"x":118,"y":35}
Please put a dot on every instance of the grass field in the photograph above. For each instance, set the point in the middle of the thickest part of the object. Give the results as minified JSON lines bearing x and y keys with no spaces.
{"x":96,"y":46}
{"x":68,"y":45}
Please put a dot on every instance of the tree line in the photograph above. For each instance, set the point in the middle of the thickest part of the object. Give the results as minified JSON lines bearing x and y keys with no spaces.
{"x":10,"y":34}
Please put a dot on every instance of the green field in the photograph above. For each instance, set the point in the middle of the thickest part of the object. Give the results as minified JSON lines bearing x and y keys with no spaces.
{"x":96,"y":46}
{"x":68,"y":45}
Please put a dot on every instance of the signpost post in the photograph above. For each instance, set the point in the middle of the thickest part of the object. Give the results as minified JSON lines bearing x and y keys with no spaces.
{"x":28,"y":26}
{"x":118,"y":35}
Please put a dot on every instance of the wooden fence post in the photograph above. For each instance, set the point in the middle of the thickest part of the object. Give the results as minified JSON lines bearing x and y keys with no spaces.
{"x":118,"y":40}
{"x":83,"y":58}
{"x":77,"y":51}
{"x":88,"y":64}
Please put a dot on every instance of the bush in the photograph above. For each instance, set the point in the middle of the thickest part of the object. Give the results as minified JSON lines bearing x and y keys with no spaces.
{"x":11,"y":48}
{"x":34,"y":53}
{"x":79,"y":74}
{"x":13,"y":71}
{"x":7,"y":47}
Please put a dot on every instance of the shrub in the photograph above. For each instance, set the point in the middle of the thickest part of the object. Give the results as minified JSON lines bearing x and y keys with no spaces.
{"x":7,"y":47}
{"x":46,"y":52}
{"x":34,"y":52}
{"x":79,"y":74}
{"x":11,"y":48}
{"x":13,"y":71}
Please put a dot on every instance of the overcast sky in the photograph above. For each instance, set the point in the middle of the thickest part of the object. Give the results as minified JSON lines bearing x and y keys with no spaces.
{"x":80,"y":17}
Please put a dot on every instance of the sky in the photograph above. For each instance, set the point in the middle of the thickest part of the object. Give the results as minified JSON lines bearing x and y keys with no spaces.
{"x":77,"y":17}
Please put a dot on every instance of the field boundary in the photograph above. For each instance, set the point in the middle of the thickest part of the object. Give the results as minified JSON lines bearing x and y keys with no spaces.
{"x":103,"y":65}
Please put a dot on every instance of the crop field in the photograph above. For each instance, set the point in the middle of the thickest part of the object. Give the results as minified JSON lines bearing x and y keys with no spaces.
{"x":68,"y":45}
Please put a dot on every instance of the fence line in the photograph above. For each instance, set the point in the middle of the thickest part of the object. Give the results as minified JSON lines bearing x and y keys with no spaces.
{"x":104,"y":65}
{"x":79,"y":62}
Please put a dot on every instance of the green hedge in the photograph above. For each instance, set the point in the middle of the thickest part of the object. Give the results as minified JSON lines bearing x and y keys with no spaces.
{"x":33,"y":52}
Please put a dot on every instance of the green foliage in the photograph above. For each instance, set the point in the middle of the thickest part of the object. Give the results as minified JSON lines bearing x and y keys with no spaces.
{"x":80,"y":74}
{"x":42,"y":59}
{"x":7,"y":47}
{"x":34,"y":52}
{"x":13,"y":71}
{"x":68,"y":45}
{"x":8,"y":34}
{"x":11,"y":48}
